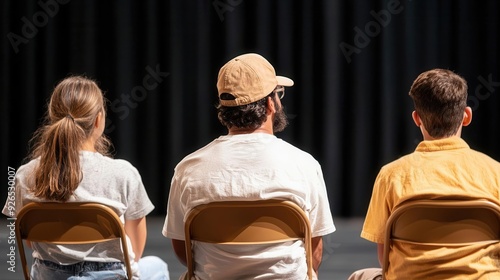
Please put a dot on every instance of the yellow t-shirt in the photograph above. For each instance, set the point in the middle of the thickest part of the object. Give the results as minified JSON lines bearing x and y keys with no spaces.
{"x":445,"y":167}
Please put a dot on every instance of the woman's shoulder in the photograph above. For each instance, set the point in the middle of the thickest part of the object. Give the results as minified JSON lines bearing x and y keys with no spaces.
{"x":27,"y":167}
{"x":114,"y":165}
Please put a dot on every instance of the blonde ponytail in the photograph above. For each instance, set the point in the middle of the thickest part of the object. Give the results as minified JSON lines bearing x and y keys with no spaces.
{"x":72,"y":112}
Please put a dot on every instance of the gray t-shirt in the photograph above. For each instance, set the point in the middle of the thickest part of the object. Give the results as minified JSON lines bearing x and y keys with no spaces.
{"x":113,"y":182}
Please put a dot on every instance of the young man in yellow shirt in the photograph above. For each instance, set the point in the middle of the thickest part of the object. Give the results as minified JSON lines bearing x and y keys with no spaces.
{"x":442,"y":165}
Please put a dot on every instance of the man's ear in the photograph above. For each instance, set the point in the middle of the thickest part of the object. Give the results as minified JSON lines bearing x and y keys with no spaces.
{"x":416,"y":118}
{"x":467,"y":116}
{"x":271,"y":106}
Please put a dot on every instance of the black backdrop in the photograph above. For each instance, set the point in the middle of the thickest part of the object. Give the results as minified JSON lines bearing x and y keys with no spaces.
{"x":352,"y":61}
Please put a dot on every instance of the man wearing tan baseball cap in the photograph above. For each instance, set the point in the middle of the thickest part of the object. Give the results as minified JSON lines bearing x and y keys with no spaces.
{"x":244,"y":80}
{"x":248,"y":78}
{"x":250,"y":163}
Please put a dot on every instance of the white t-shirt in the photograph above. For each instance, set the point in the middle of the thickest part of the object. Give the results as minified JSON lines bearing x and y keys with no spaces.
{"x":249,"y":167}
{"x":113,"y":182}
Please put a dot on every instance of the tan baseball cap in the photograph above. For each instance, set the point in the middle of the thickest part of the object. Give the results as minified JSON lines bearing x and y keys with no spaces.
{"x":248,"y":77}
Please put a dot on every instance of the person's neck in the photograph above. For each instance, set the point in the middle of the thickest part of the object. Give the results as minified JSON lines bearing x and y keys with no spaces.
{"x":427,"y":137}
{"x":266,"y":127}
{"x":236,"y":131}
{"x":88,"y":145}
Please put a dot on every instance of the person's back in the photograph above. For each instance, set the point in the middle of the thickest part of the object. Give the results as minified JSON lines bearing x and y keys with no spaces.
{"x":442,"y":166}
{"x":70,"y":162}
{"x":249,"y":163}
{"x":115,"y":183}
{"x":250,"y":167}
{"x":439,"y":169}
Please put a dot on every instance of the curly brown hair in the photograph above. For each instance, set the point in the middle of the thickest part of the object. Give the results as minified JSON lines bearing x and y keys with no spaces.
{"x":250,"y":116}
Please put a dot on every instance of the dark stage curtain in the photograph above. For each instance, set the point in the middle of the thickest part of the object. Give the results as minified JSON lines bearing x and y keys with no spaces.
{"x":352,"y":62}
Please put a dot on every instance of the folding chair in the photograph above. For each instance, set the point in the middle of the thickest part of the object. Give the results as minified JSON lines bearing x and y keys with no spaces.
{"x":441,"y":223}
{"x":247,"y":222}
{"x":69,"y":223}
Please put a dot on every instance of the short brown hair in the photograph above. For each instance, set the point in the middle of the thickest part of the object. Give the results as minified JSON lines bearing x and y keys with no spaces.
{"x":440,"y":98}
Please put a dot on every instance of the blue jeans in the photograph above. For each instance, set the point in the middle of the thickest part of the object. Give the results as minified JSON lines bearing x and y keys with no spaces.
{"x":84,"y":270}
{"x":151,"y":268}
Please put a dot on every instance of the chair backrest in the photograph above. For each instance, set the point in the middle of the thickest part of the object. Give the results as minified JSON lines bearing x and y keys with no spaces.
{"x":442,"y":222}
{"x":69,"y":223}
{"x":247,"y":222}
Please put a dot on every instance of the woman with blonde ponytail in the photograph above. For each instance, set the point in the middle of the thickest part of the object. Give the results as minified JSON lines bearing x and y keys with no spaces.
{"x":74,"y":122}
{"x":70,"y":162}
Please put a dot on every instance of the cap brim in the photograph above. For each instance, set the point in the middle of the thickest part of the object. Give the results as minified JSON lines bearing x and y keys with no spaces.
{"x":284,"y":81}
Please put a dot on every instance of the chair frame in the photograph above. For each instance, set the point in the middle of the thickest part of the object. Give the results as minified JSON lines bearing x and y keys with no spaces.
{"x":442,"y":222}
{"x":247,"y":222}
{"x":69,"y":223}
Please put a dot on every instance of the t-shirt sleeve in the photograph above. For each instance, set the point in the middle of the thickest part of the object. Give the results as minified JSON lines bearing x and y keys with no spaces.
{"x":320,"y":216}
{"x":378,"y":212}
{"x":138,"y":202}
{"x":174,"y":221}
